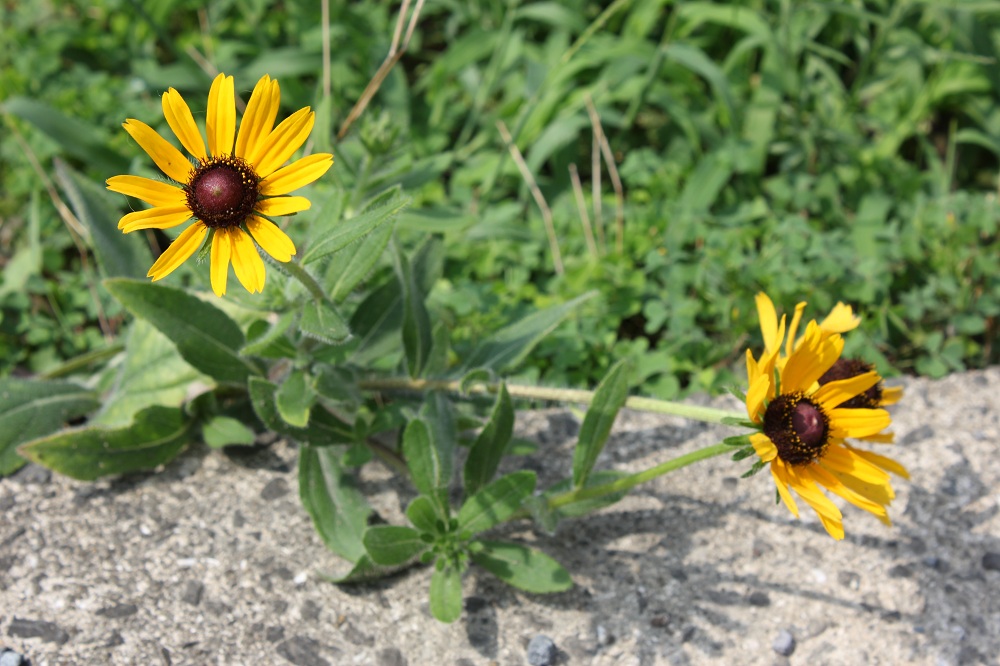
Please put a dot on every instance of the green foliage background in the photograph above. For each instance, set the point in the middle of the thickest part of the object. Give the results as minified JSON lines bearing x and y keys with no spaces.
{"x":819,"y":151}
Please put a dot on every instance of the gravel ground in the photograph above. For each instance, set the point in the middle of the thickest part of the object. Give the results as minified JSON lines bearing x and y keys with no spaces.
{"x":213,"y":561}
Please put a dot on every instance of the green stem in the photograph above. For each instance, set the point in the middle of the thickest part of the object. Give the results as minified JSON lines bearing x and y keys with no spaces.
{"x":695,"y":412}
{"x":629,"y":482}
{"x":308,"y":281}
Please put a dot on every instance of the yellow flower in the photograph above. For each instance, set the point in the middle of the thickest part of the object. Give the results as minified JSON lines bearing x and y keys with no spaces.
{"x":803,"y":426}
{"x":234,"y":187}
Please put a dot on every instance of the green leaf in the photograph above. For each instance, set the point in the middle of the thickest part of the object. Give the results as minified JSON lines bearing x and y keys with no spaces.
{"x":73,"y":135}
{"x":156,"y":435}
{"x":382,"y":209}
{"x":496,"y":502}
{"x":737,"y":440}
{"x":427,"y":467}
{"x":205,"y":336}
{"x":364,"y":571}
{"x":152,"y":373}
{"x":118,"y":254}
{"x":294,"y":399}
{"x":31,"y":409}
{"x":331,"y":497}
{"x":324,"y":428}
{"x":489,"y":447}
{"x":222,"y":431}
{"x":446,"y":594}
{"x":376,"y":325}
{"x":321,"y":321}
{"x":424,"y":514}
{"x":743,"y":454}
{"x":523,"y":567}
{"x":354,"y":263}
{"x":739,"y":421}
{"x":393,"y":544}
{"x":439,"y":415}
{"x":417,"y":336}
{"x":608,"y":400}
{"x":507,"y":347}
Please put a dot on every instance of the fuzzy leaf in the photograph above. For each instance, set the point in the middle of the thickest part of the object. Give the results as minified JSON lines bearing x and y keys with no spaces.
{"x":417,"y":335}
{"x":523,"y":567}
{"x":382,"y":209}
{"x":489,"y":447}
{"x":222,"y":431}
{"x":608,"y":400}
{"x":446,"y":594}
{"x":331,"y":497}
{"x":156,"y":435}
{"x":391,"y":545}
{"x":321,"y":320}
{"x":496,"y":502}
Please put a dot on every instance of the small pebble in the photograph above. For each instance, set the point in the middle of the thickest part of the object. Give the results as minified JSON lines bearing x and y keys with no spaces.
{"x":11,"y":658}
{"x":991,"y":561}
{"x":541,"y":651}
{"x":603,"y":637}
{"x":784,"y":644}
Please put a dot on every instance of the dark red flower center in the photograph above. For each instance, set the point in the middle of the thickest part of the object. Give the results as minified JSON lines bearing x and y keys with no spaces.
{"x":798,"y":428}
{"x":223,"y":191}
{"x":845,"y":368}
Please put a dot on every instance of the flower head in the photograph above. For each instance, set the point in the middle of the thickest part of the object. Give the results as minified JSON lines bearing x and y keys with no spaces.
{"x":236,"y":185}
{"x":803,"y":424}
{"x":840,"y":320}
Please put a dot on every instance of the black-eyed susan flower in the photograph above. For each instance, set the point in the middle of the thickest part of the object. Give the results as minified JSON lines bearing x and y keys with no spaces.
{"x":236,"y":184}
{"x":803,"y":425}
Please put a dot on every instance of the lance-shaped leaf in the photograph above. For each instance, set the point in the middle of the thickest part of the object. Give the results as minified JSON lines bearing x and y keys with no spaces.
{"x":439,"y":415}
{"x":608,"y":400}
{"x":32,"y":409}
{"x":417,"y":335}
{"x":269,"y":340}
{"x":321,"y":321}
{"x":508,"y":346}
{"x":354,"y":263}
{"x":446,"y":594}
{"x":324,"y":428}
{"x":523,"y":567}
{"x":496,"y":502}
{"x":488,"y":449}
{"x":205,"y":336}
{"x":382,"y":209}
{"x":391,"y":545}
{"x":156,"y":435}
{"x":376,"y":325}
{"x":364,"y":571}
{"x":427,"y":468}
{"x":331,"y":497}
{"x":117,"y":254}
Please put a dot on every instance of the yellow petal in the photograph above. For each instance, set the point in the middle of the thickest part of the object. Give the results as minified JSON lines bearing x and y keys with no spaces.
{"x":179,"y":251}
{"x":780,"y":474}
{"x":857,"y":422}
{"x":768,"y":321}
{"x":274,"y":241}
{"x":161,"y":217}
{"x":841,"y":459}
{"x":832,"y":483}
{"x":278,"y":206}
{"x":247,"y":263}
{"x":151,"y":191}
{"x":764,"y":447}
{"x":219,"y":263}
{"x":297,"y":174}
{"x":840,"y":320}
{"x":756,"y":394}
{"x":286,"y":138}
{"x":888,"y":464}
{"x":835,"y":393}
{"x":259,"y":117}
{"x":891,"y":395}
{"x":880,"y":438}
{"x":811,"y":358}
{"x":179,"y":117}
{"x":170,"y":160}
{"x":802,"y":482}
{"x":794,"y":327}
{"x":220,"y":120}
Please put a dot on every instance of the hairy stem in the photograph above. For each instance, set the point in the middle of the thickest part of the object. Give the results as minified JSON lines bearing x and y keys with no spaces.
{"x":695,"y":412}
